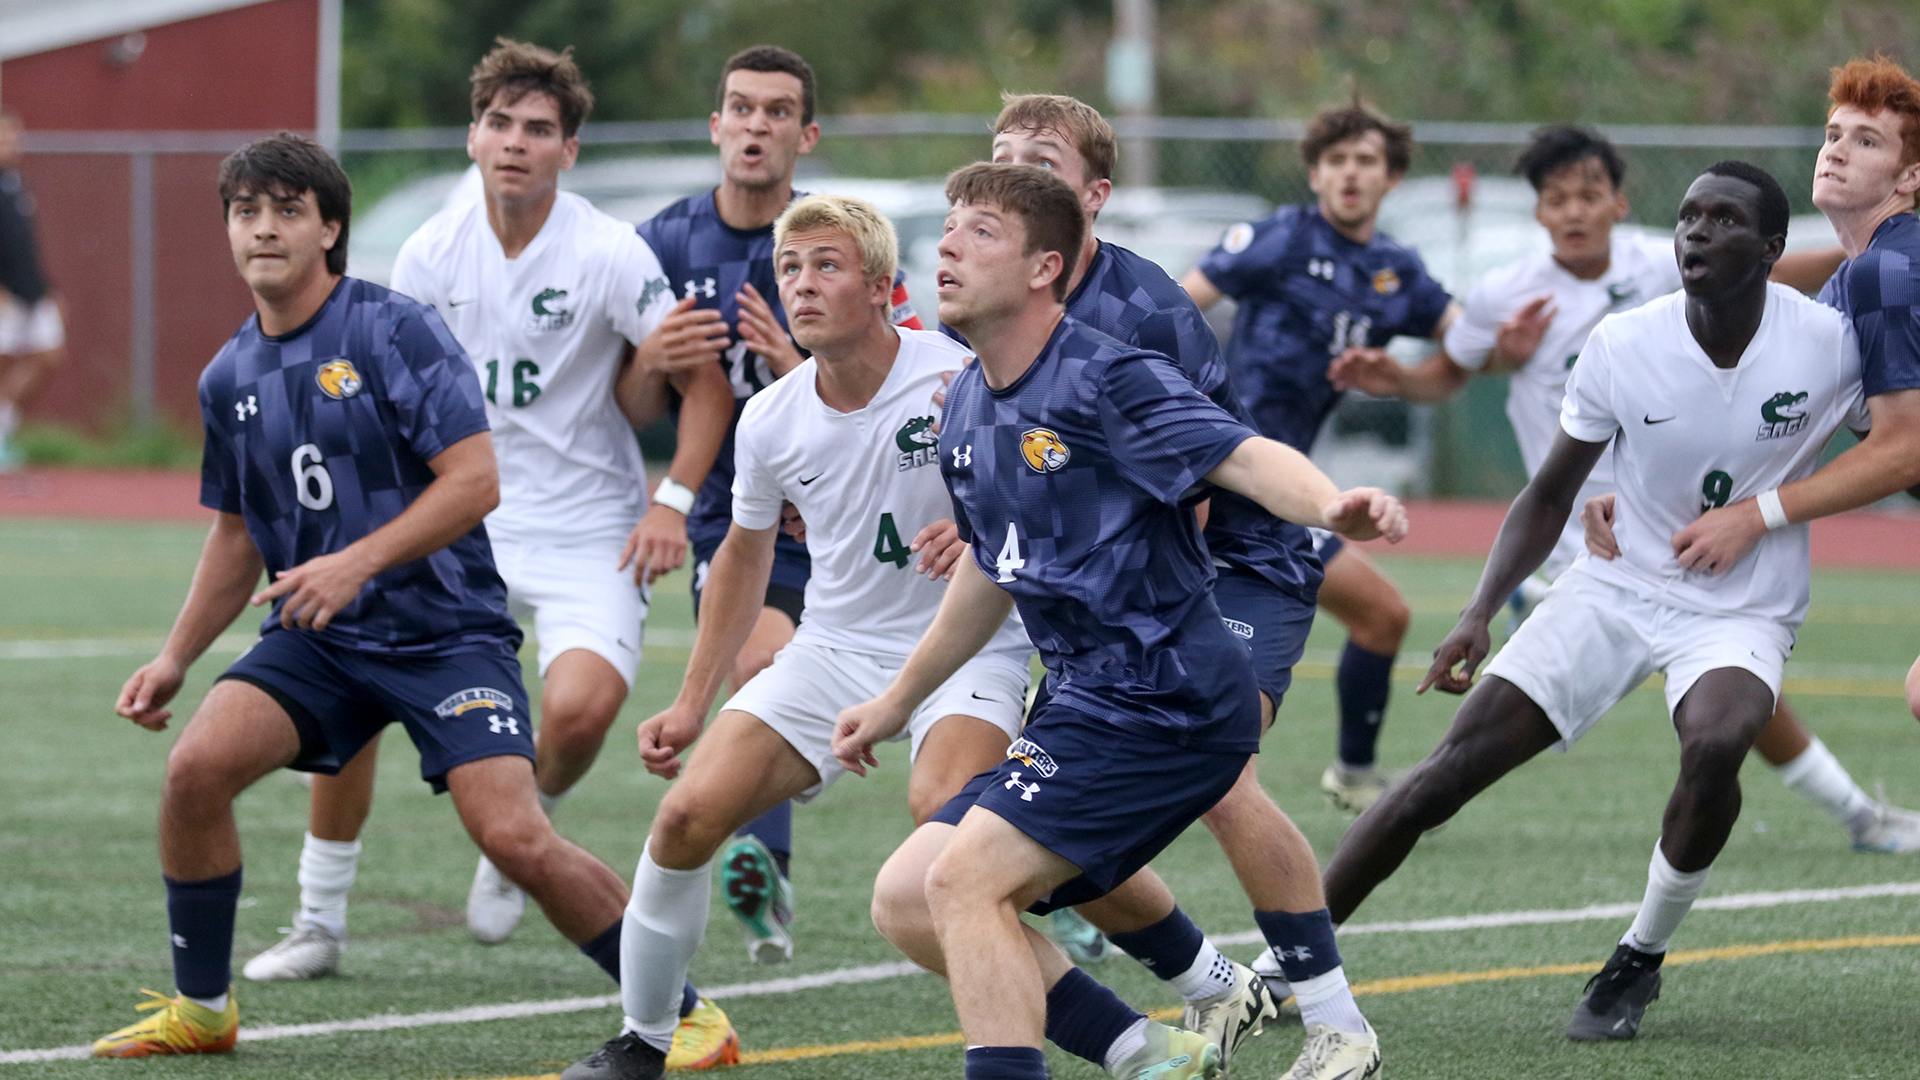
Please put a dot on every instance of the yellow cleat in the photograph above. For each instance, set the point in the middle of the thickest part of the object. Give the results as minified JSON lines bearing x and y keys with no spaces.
{"x":705,"y":1039}
{"x":178,"y":1027}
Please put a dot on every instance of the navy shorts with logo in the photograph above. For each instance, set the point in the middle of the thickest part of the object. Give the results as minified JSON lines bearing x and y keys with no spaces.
{"x":1326,"y":544}
{"x":457,"y":707}
{"x":1103,"y":798}
{"x":1273,"y":624}
{"x":786,"y":589}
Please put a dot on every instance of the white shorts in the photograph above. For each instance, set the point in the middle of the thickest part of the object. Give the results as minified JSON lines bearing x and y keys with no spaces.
{"x":1589,"y":644}
{"x":578,"y":600}
{"x":29,"y":328}
{"x":801,"y":693}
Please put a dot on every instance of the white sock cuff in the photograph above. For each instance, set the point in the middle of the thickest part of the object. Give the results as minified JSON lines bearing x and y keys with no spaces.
{"x":1813,"y":757}
{"x":1209,"y":974}
{"x":651,"y":1033}
{"x":338,"y":849}
{"x":1673,"y":885}
{"x":1320,"y":988}
{"x":548,"y":802}
{"x":1131,"y":1041}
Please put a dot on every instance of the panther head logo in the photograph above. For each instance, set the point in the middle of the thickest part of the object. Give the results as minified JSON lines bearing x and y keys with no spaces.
{"x":338,"y":379}
{"x":1043,"y":450}
{"x":1774,"y":411}
{"x":916,"y":435}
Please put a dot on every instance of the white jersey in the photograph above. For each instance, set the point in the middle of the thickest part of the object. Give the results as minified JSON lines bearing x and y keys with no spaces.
{"x":866,"y":482}
{"x":546,"y":332}
{"x":1639,"y":268}
{"x":1691,"y":436}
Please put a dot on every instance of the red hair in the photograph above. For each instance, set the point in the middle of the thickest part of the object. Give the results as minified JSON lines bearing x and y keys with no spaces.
{"x":1879,"y":85}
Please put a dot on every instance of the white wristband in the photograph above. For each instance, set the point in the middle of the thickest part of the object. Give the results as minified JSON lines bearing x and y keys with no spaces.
{"x":673,"y":495}
{"x":1771,"y":511}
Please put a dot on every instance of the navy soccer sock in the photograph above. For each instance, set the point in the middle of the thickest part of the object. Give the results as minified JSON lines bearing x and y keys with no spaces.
{"x":689,"y":1000}
{"x":1167,"y":948}
{"x":775,"y":829}
{"x":1301,"y":941}
{"x":200,"y":917}
{"x":1084,"y":1018}
{"x":605,"y":949}
{"x":1005,"y":1063}
{"x":1363,"y":680}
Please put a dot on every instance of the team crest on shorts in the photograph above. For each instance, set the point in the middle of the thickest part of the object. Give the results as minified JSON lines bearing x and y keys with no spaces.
{"x":473,"y":697}
{"x":917,"y":442}
{"x":1043,"y":450}
{"x":338,"y":379}
{"x":1028,"y":753}
{"x":1239,"y":628}
{"x":1386,"y":282}
{"x":1776,"y":422}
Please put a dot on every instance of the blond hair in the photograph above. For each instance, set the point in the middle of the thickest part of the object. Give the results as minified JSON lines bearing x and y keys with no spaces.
{"x":872,"y":234}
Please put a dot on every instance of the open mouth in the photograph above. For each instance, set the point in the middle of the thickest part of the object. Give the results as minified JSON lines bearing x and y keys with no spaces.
{"x":753,"y":153}
{"x":1693,"y":265}
{"x":945,"y":282}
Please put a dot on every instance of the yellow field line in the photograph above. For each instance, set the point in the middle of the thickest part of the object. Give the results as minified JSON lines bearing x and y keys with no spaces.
{"x":1397,"y":985}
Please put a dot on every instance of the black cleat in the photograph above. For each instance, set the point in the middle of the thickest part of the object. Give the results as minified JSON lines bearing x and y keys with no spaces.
{"x":628,"y":1057}
{"x":1617,"y":997}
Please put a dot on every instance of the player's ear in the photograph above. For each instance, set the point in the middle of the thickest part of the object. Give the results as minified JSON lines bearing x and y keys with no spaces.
{"x":329,"y":234}
{"x":569,"y":152}
{"x":471,"y":129}
{"x":1907,"y":180}
{"x":1096,"y":197}
{"x":713,"y":127}
{"x":809,"y":137}
{"x":1046,"y":269}
{"x":1620,"y":207}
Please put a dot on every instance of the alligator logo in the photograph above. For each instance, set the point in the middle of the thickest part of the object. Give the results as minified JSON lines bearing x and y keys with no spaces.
{"x":547,"y":314}
{"x":1776,"y":421}
{"x":919,"y":444}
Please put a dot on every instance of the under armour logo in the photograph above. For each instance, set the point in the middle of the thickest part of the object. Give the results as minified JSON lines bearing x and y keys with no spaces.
{"x":179,"y":942}
{"x":503,"y":725}
{"x":1299,"y":953}
{"x":244,"y":409}
{"x":963,"y":456}
{"x":704,"y":288}
{"x":1026,"y":790}
{"x":1320,"y":268}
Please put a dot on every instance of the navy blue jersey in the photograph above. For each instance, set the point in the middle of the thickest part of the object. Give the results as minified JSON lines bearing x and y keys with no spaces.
{"x":1306,"y":294}
{"x":321,"y":436}
{"x":1131,"y":299}
{"x":1074,"y":485}
{"x":1880,"y":292}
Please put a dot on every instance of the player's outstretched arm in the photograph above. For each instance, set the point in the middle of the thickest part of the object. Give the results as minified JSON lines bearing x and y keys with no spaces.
{"x":1526,"y":538}
{"x":228,"y":570}
{"x":465,"y":489}
{"x":1201,"y":289}
{"x":1885,"y":462}
{"x":729,"y":604}
{"x":973,"y":609}
{"x":1373,"y":371}
{"x":1289,"y":486}
{"x":658,"y":544}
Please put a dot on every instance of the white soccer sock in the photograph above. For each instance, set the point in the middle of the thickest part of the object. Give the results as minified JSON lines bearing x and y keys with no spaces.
{"x":1326,"y":999}
{"x":213,"y":1004}
{"x":665,"y":920}
{"x":1210,"y":974}
{"x":1670,"y":894}
{"x":1131,"y":1041}
{"x":548,"y":802}
{"x":1818,"y":777}
{"x":327,"y":869}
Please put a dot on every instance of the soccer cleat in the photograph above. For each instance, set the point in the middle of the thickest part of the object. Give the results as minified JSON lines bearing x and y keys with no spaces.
{"x":1079,"y":939}
{"x":760,"y":896}
{"x":1172,"y":1053}
{"x":494,"y":905}
{"x":1354,"y":790}
{"x":627,"y":1057}
{"x":1267,"y":966}
{"x":705,"y":1039}
{"x":1234,"y":1015}
{"x":177,"y":1026}
{"x":1890,"y":831}
{"x":1532,"y":590}
{"x":307,"y":952}
{"x":1332,"y":1054}
{"x":1617,"y":997}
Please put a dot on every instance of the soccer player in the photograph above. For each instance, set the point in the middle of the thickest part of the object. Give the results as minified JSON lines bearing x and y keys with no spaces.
{"x":1265,"y":589}
{"x":846,"y":438}
{"x":1531,"y":319}
{"x":1726,"y":389}
{"x":32,"y":337}
{"x":1073,"y":460}
{"x":1314,"y":283}
{"x":717,"y":249}
{"x":347,"y":455}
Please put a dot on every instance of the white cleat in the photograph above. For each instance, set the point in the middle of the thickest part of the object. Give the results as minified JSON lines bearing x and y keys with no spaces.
{"x":1234,"y":1015}
{"x":1267,"y":966}
{"x":1332,"y":1054}
{"x":1891,"y":831}
{"x":307,"y":952}
{"x":494,"y":905}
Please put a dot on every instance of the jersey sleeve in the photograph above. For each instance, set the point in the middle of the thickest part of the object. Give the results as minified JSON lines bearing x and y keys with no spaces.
{"x":1163,"y":435}
{"x":756,"y":493}
{"x":1588,"y":413}
{"x":638,"y":296}
{"x":1853,"y":398}
{"x":412,"y":272}
{"x":1882,"y":296}
{"x":1469,"y":341}
{"x":1247,"y":256}
{"x":219,"y":472}
{"x":430,"y":383}
{"x":1427,"y":301}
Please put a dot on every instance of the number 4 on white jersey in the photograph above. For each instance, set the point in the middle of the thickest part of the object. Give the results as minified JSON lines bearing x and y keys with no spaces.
{"x":1009,"y":558}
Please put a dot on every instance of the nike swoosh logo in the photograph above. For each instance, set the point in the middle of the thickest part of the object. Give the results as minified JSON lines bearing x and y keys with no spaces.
{"x":811,"y":479}
{"x":461,"y":303}
{"x":976,"y":696}
{"x":1649,"y":419}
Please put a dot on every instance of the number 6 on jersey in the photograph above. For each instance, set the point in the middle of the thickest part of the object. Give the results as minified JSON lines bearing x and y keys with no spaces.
{"x":1009,"y":558}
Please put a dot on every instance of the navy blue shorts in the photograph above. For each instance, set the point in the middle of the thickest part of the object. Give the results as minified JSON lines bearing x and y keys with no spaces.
{"x":456,"y":708}
{"x":1326,"y":544}
{"x":786,"y":589}
{"x":1104,"y":799}
{"x":1273,"y":624}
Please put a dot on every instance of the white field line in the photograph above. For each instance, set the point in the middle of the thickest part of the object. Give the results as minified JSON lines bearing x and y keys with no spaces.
{"x":877,"y":972}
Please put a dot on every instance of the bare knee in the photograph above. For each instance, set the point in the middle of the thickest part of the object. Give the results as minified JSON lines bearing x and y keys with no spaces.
{"x":516,"y":844}
{"x":1713,"y":756}
{"x":900,"y":905}
{"x":573,"y":737}
{"x":1383,"y":628}
{"x":686,"y":834}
